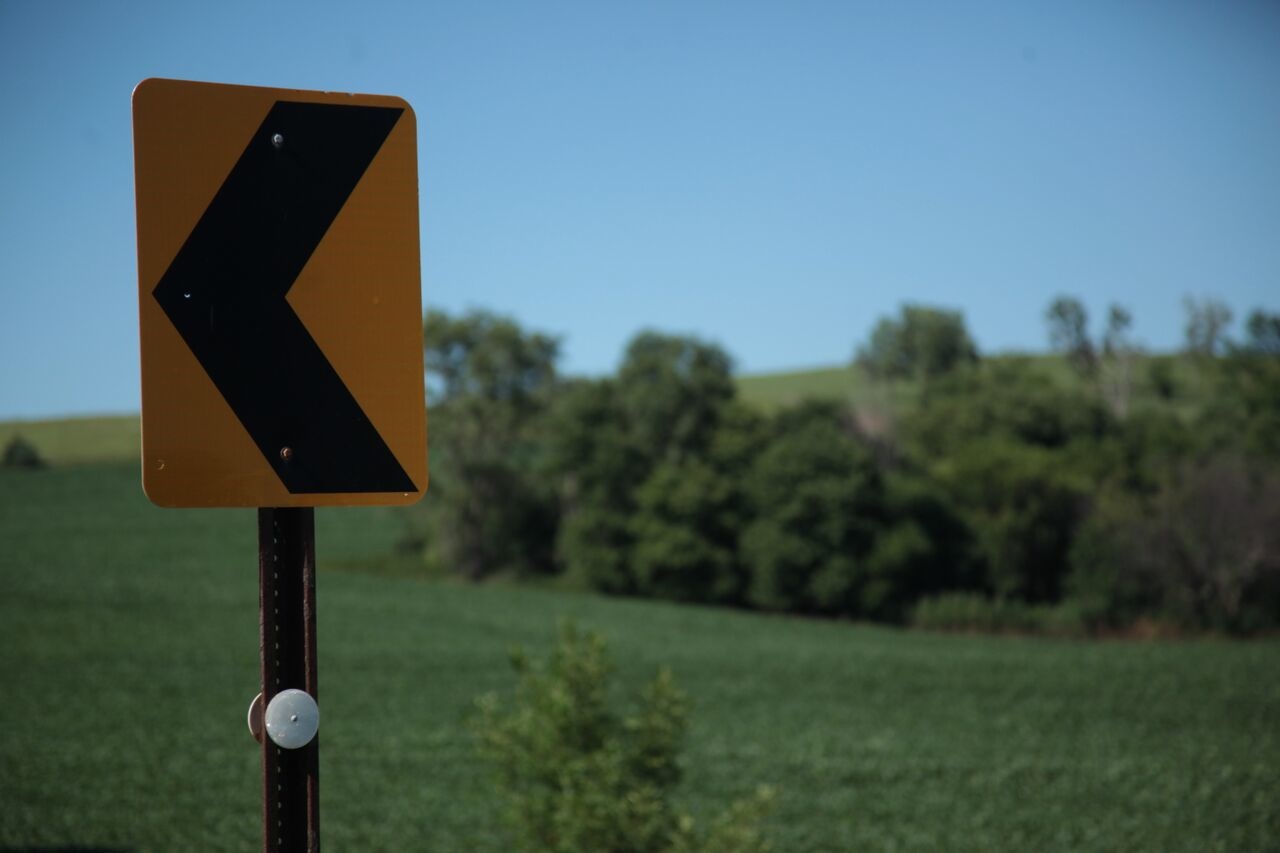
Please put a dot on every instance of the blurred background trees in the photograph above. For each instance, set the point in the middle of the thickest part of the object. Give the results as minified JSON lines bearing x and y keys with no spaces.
{"x":1071,"y":494}
{"x":922,"y":342}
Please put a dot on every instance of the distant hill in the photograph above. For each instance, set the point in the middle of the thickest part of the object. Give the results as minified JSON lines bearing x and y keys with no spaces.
{"x":850,"y":385}
{"x":79,"y":439}
{"x":99,"y":438}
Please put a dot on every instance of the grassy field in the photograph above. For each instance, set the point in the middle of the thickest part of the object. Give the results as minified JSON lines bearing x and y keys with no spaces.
{"x":777,"y":390}
{"x":128,"y":655}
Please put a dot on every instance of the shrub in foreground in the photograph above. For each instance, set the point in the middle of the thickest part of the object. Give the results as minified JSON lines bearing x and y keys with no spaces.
{"x":578,"y":775}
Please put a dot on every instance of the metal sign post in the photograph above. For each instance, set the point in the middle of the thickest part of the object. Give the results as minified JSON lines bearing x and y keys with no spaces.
{"x":287,"y":608}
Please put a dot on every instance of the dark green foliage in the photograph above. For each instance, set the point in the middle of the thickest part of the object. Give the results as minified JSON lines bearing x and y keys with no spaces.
{"x":1011,"y":399}
{"x":1023,"y":508}
{"x":1013,"y":478}
{"x":1243,"y":411}
{"x":1015,"y":452}
{"x":491,"y":513}
{"x":670,"y":391}
{"x":490,"y":382}
{"x":818,"y":500}
{"x":593,"y":465}
{"x":484,"y":356}
{"x":685,"y":531}
{"x":578,"y":775}
{"x":925,"y":546}
{"x":1141,"y":451}
{"x":20,"y":453}
{"x":923,"y":342}
{"x":1263,"y":329}
{"x":1102,"y":583}
{"x":690,"y":513}
{"x":1160,"y":374}
{"x":1203,"y":549}
{"x":646,"y":466}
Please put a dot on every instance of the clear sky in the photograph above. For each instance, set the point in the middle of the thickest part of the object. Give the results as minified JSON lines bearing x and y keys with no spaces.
{"x":772,"y":177}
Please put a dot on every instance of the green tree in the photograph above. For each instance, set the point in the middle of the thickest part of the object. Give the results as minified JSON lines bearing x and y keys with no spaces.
{"x":1069,"y":334}
{"x":923,"y":342}
{"x":1203,"y":548}
{"x":671,"y":390}
{"x":1206,"y":326}
{"x":1024,"y":506}
{"x":1242,"y":413}
{"x":1012,"y":398}
{"x":818,"y":499}
{"x":923,"y":547}
{"x":1263,"y":330}
{"x":489,"y":382}
{"x":647,"y":502}
{"x":579,"y":775}
{"x":594,"y":465}
{"x":1119,"y":353}
{"x":484,"y":356}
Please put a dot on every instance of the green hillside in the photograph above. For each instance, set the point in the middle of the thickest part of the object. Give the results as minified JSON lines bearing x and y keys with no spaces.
{"x":109,"y":437}
{"x":850,"y":385}
{"x":128,"y":655}
{"x":774,"y":390}
{"x":82,"y":439}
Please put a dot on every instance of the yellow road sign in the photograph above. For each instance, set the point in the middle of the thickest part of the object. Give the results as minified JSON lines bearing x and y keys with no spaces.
{"x":279,"y":296}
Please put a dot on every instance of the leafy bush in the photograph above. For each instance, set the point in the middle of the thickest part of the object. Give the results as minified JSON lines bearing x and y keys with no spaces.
{"x":1202,"y":550}
{"x":970,"y":611}
{"x":20,"y":453}
{"x":577,"y":775}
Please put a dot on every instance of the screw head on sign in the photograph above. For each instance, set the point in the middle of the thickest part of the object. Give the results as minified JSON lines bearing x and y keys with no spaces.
{"x":292,"y":719}
{"x":277,"y":140}
{"x":286,"y":453}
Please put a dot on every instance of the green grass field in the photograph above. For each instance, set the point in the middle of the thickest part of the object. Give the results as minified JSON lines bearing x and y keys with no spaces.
{"x":128,"y":655}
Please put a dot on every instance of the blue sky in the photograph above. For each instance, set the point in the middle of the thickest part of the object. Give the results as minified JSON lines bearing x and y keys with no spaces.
{"x":772,"y":177}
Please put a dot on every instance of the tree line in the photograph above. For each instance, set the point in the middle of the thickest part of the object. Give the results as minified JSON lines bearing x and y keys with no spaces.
{"x":1079,"y":493}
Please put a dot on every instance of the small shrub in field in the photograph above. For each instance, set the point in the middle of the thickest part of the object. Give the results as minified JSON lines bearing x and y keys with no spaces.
{"x":577,"y":775}
{"x":20,"y":453}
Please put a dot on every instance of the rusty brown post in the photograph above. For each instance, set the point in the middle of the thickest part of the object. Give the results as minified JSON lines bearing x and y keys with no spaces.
{"x":287,"y":621}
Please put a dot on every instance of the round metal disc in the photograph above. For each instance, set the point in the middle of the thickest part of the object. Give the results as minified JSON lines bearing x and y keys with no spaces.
{"x":292,"y":719}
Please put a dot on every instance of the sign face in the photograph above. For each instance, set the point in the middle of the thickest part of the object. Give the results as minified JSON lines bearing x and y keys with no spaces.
{"x":280,"y":307}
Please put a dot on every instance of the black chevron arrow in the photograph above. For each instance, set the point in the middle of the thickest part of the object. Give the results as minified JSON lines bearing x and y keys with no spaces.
{"x":225,"y":294}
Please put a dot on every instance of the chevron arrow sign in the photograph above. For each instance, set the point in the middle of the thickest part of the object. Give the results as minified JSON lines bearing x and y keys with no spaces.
{"x":279,"y":297}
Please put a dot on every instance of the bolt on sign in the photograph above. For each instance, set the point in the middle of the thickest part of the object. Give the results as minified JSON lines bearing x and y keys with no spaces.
{"x":279,"y":297}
